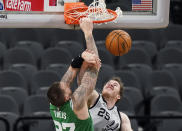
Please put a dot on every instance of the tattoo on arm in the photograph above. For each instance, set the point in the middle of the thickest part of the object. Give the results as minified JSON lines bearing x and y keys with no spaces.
{"x":89,"y":79}
{"x":69,"y":76}
{"x":90,"y":42}
{"x":80,"y":96}
{"x":80,"y":76}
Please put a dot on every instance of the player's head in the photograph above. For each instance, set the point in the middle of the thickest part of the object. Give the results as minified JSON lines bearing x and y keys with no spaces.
{"x":113,"y":88}
{"x":58,"y":95}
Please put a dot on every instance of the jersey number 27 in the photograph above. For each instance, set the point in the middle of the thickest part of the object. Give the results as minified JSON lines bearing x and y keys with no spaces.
{"x":63,"y":126}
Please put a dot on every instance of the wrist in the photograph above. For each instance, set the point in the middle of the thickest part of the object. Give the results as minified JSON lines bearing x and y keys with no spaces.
{"x":87,"y":34}
{"x":77,"y":62}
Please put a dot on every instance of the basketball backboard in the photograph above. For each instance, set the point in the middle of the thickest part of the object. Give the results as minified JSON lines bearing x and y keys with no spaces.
{"x":139,"y":14}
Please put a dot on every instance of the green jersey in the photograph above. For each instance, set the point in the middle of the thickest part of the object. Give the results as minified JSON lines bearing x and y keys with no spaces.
{"x":66,"y":120}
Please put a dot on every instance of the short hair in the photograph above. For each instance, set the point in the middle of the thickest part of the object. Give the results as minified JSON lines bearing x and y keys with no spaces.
{"x":55,"y":94}
{"x":120,"y":83}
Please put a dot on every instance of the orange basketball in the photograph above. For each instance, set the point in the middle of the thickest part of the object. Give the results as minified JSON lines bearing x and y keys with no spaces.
{"x":118,"y":42}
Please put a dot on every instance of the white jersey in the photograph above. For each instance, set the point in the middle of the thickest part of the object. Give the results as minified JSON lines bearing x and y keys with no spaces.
{"x":105,"y":119}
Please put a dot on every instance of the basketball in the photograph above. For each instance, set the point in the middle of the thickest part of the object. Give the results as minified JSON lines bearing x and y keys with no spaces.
{"x":118,"y":42}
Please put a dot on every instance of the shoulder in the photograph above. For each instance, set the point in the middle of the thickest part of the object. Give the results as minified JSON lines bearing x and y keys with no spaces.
{"x":126,"y":125}
{"x":93,"y":99}
{"x":124,"y":117}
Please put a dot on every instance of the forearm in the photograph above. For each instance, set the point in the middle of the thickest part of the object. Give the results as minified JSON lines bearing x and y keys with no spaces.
{"x":90,"y":43}
{"x":85,"y":65}
{"x":81,"y":73}
{"x":89,"y":80}
{"x":69,"y":76}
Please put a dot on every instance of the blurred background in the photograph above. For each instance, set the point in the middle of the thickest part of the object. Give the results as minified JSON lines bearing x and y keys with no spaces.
{"x":32,"y":59}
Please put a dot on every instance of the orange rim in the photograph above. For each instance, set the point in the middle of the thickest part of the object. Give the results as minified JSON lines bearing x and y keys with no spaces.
{"x":71,"y":5}
{"x":73,"y":19}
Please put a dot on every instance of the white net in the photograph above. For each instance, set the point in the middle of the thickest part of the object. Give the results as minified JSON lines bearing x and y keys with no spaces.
{"x":96,"y":11}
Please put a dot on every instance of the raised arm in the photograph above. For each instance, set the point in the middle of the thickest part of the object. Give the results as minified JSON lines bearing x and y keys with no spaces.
{"x":87,"y":27}
{"x":81,"y":94}
{"x":69,"y":76}
{"x":88,"y":77}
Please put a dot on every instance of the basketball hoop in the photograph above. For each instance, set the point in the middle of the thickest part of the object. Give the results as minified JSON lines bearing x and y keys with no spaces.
{"x":96,"y":11}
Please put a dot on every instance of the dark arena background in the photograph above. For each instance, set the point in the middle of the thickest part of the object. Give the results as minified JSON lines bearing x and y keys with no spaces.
{"x":31,"y":59}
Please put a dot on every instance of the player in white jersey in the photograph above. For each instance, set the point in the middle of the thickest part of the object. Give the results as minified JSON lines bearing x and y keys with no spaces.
{"x":102,"y":106}
{"x":104,"y":113}
{"x":104,"y":117}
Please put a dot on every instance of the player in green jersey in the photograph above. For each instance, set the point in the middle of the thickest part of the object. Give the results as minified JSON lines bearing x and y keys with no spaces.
{"x":70,"y":111}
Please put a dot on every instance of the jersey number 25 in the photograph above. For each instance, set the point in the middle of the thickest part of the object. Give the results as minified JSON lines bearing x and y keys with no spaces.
{"x":104,"y":113}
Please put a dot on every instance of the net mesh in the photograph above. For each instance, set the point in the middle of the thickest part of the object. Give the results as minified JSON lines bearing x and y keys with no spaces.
{"x":96,"y":11}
